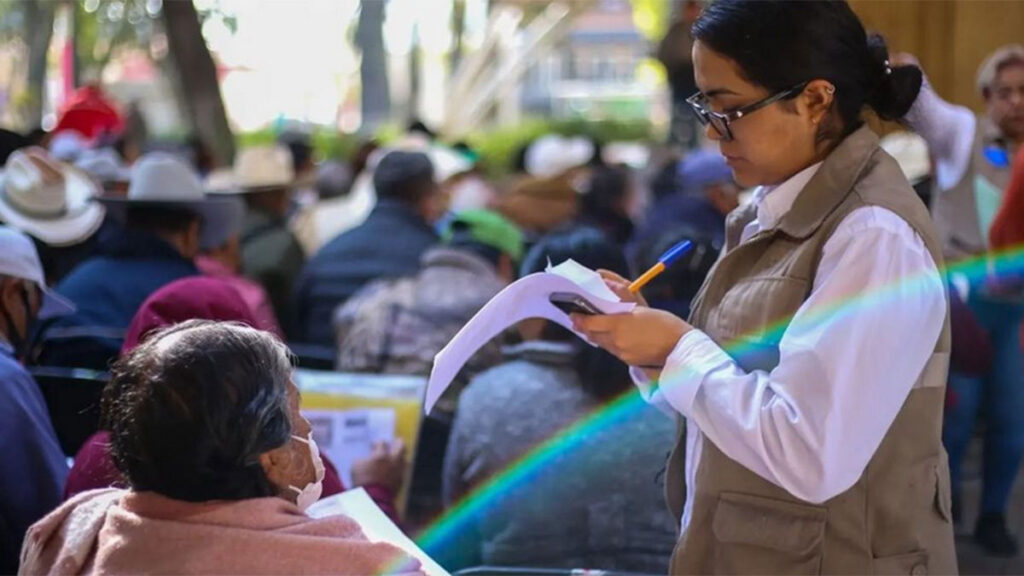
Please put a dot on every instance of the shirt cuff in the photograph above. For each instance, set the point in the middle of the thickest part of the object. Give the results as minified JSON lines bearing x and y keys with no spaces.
{"x":645,"y":385}
{"x":649,"y":392}
{"x":694,"y":357}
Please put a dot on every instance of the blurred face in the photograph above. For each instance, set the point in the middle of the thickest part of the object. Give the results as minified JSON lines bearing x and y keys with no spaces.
{"x":190,"y":241}
{"x":274,"y":201}
{"x":230,"y":254}
{"x":1005,"y":101}
{"x":16,"y":294}
{"x":632,"y":207}
{"x":291,"y":464}
{"x":506,"y":269}
{"x":770,"y":144}
{"x":434,"y":204}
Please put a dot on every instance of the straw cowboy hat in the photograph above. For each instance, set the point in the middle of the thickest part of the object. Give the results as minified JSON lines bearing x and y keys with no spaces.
{"x":48,"y":199}
{"x":256,"y":169}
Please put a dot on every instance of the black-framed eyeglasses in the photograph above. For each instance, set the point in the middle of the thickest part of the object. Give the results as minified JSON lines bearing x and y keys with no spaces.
{"x":720,"y":121}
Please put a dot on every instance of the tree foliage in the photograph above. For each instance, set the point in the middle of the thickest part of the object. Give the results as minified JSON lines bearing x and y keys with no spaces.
{"x":104,"y":26}
{"x":651,"y":17}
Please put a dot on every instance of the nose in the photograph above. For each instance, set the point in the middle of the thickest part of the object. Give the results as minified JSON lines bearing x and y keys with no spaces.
{"x":711,"y":133}
{"x":1017,"y":98}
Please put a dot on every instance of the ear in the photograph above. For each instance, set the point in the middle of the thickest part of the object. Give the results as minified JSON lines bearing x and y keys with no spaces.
{"x":817,"y":99}
{"x":275,"y":464}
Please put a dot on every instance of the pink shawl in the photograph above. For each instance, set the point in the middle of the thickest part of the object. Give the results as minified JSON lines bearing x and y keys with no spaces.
{"x":120,"y":532}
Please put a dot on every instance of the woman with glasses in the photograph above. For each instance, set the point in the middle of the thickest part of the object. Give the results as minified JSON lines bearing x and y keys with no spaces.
{"x":811,"y":371}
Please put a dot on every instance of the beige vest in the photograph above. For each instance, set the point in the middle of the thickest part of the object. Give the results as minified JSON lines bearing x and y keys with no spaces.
{"x":896,"y":518}
{"x":955,"y":211}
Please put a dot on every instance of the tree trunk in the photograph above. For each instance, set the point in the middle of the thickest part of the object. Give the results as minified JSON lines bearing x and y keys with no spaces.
{"x":38,"y":33}
{"x":197,"y":74}
{"x":458,"y":30}
{"x":415,"y":67}
{"x":76,"y":63}
{"x":373,"y":70}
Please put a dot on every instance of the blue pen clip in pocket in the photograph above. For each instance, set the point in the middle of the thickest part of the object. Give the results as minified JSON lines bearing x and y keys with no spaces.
{"x":997,"y":156}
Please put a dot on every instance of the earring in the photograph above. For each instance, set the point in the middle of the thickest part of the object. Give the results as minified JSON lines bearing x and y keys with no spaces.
{"x":831,"y":90}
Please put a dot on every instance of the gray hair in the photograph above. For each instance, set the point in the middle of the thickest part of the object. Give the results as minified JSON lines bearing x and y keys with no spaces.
{"x":1009,"y":54}
{"x":191,"y":409}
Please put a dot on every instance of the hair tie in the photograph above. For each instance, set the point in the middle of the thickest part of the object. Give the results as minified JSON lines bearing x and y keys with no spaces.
{"x":888,"y":68}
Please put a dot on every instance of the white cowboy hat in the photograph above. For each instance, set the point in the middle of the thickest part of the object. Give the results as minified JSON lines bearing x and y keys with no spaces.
{"x":554,"y":155}
{"x":160,"y":179}
{"x":104,"y":165}
{"x":47,"y":199}
{"x":256,"y":169}
{"x":68,"y":145}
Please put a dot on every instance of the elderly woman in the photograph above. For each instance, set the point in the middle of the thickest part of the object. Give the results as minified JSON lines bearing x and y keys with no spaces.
{"x":205,"y":426}
{"x":206,"y":298}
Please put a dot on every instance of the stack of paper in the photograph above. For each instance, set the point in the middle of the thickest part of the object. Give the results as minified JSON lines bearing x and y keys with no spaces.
{"x":357,"y":505}
{"x":526,"y":298}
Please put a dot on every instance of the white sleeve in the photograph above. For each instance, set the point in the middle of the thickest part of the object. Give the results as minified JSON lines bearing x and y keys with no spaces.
{"x":847,"y":363}
{"x":949,"y":131}
{"x":650,"y":392}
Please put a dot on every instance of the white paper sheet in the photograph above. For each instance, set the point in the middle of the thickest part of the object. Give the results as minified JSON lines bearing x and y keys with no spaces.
{"x":349,"y":435}
{"x":526,"y":298}
{"x":357,"y":505}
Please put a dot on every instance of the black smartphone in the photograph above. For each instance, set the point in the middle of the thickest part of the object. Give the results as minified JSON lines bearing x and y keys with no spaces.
{"x":573,"y":303}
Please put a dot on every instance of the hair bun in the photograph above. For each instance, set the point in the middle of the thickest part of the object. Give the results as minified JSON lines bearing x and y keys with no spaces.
{"x":896,"y":87}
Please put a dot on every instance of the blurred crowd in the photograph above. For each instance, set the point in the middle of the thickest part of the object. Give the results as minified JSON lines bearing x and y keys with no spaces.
{"x":191,"y":290}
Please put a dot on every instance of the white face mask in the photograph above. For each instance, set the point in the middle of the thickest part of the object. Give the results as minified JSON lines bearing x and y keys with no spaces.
{"x":311,"y":492}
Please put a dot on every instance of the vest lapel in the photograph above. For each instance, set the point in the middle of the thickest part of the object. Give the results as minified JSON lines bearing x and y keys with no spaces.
{"x":830,"y":185}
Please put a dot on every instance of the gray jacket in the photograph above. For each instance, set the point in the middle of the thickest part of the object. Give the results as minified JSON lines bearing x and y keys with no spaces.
{"x":593,"y":499}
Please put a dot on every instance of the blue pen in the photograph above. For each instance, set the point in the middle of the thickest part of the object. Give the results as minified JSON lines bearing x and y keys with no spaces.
{"x":666,"y":260}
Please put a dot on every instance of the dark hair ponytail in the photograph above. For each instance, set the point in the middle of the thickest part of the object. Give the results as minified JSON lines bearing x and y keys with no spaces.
{"x":897,"y":86}
{"x":602,"y":375}
{"x":778,"y":44}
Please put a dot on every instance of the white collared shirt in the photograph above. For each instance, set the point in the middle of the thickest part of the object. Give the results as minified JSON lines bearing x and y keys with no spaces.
{"x":848,"y":359}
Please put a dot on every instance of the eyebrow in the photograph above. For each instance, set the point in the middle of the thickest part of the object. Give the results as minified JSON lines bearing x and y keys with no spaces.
{"x":720,"y":92}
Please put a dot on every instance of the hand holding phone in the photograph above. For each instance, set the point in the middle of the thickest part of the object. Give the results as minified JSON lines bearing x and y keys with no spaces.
{"x":571,"y":303}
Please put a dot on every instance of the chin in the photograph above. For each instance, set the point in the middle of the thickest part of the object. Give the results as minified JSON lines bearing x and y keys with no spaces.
{"x":744,"y":178}
{"x":1014,"y":131}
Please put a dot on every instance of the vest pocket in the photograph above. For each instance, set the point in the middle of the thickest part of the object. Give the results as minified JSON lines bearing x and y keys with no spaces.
{"x":913,"y":564}
{"x":757,"y":535}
